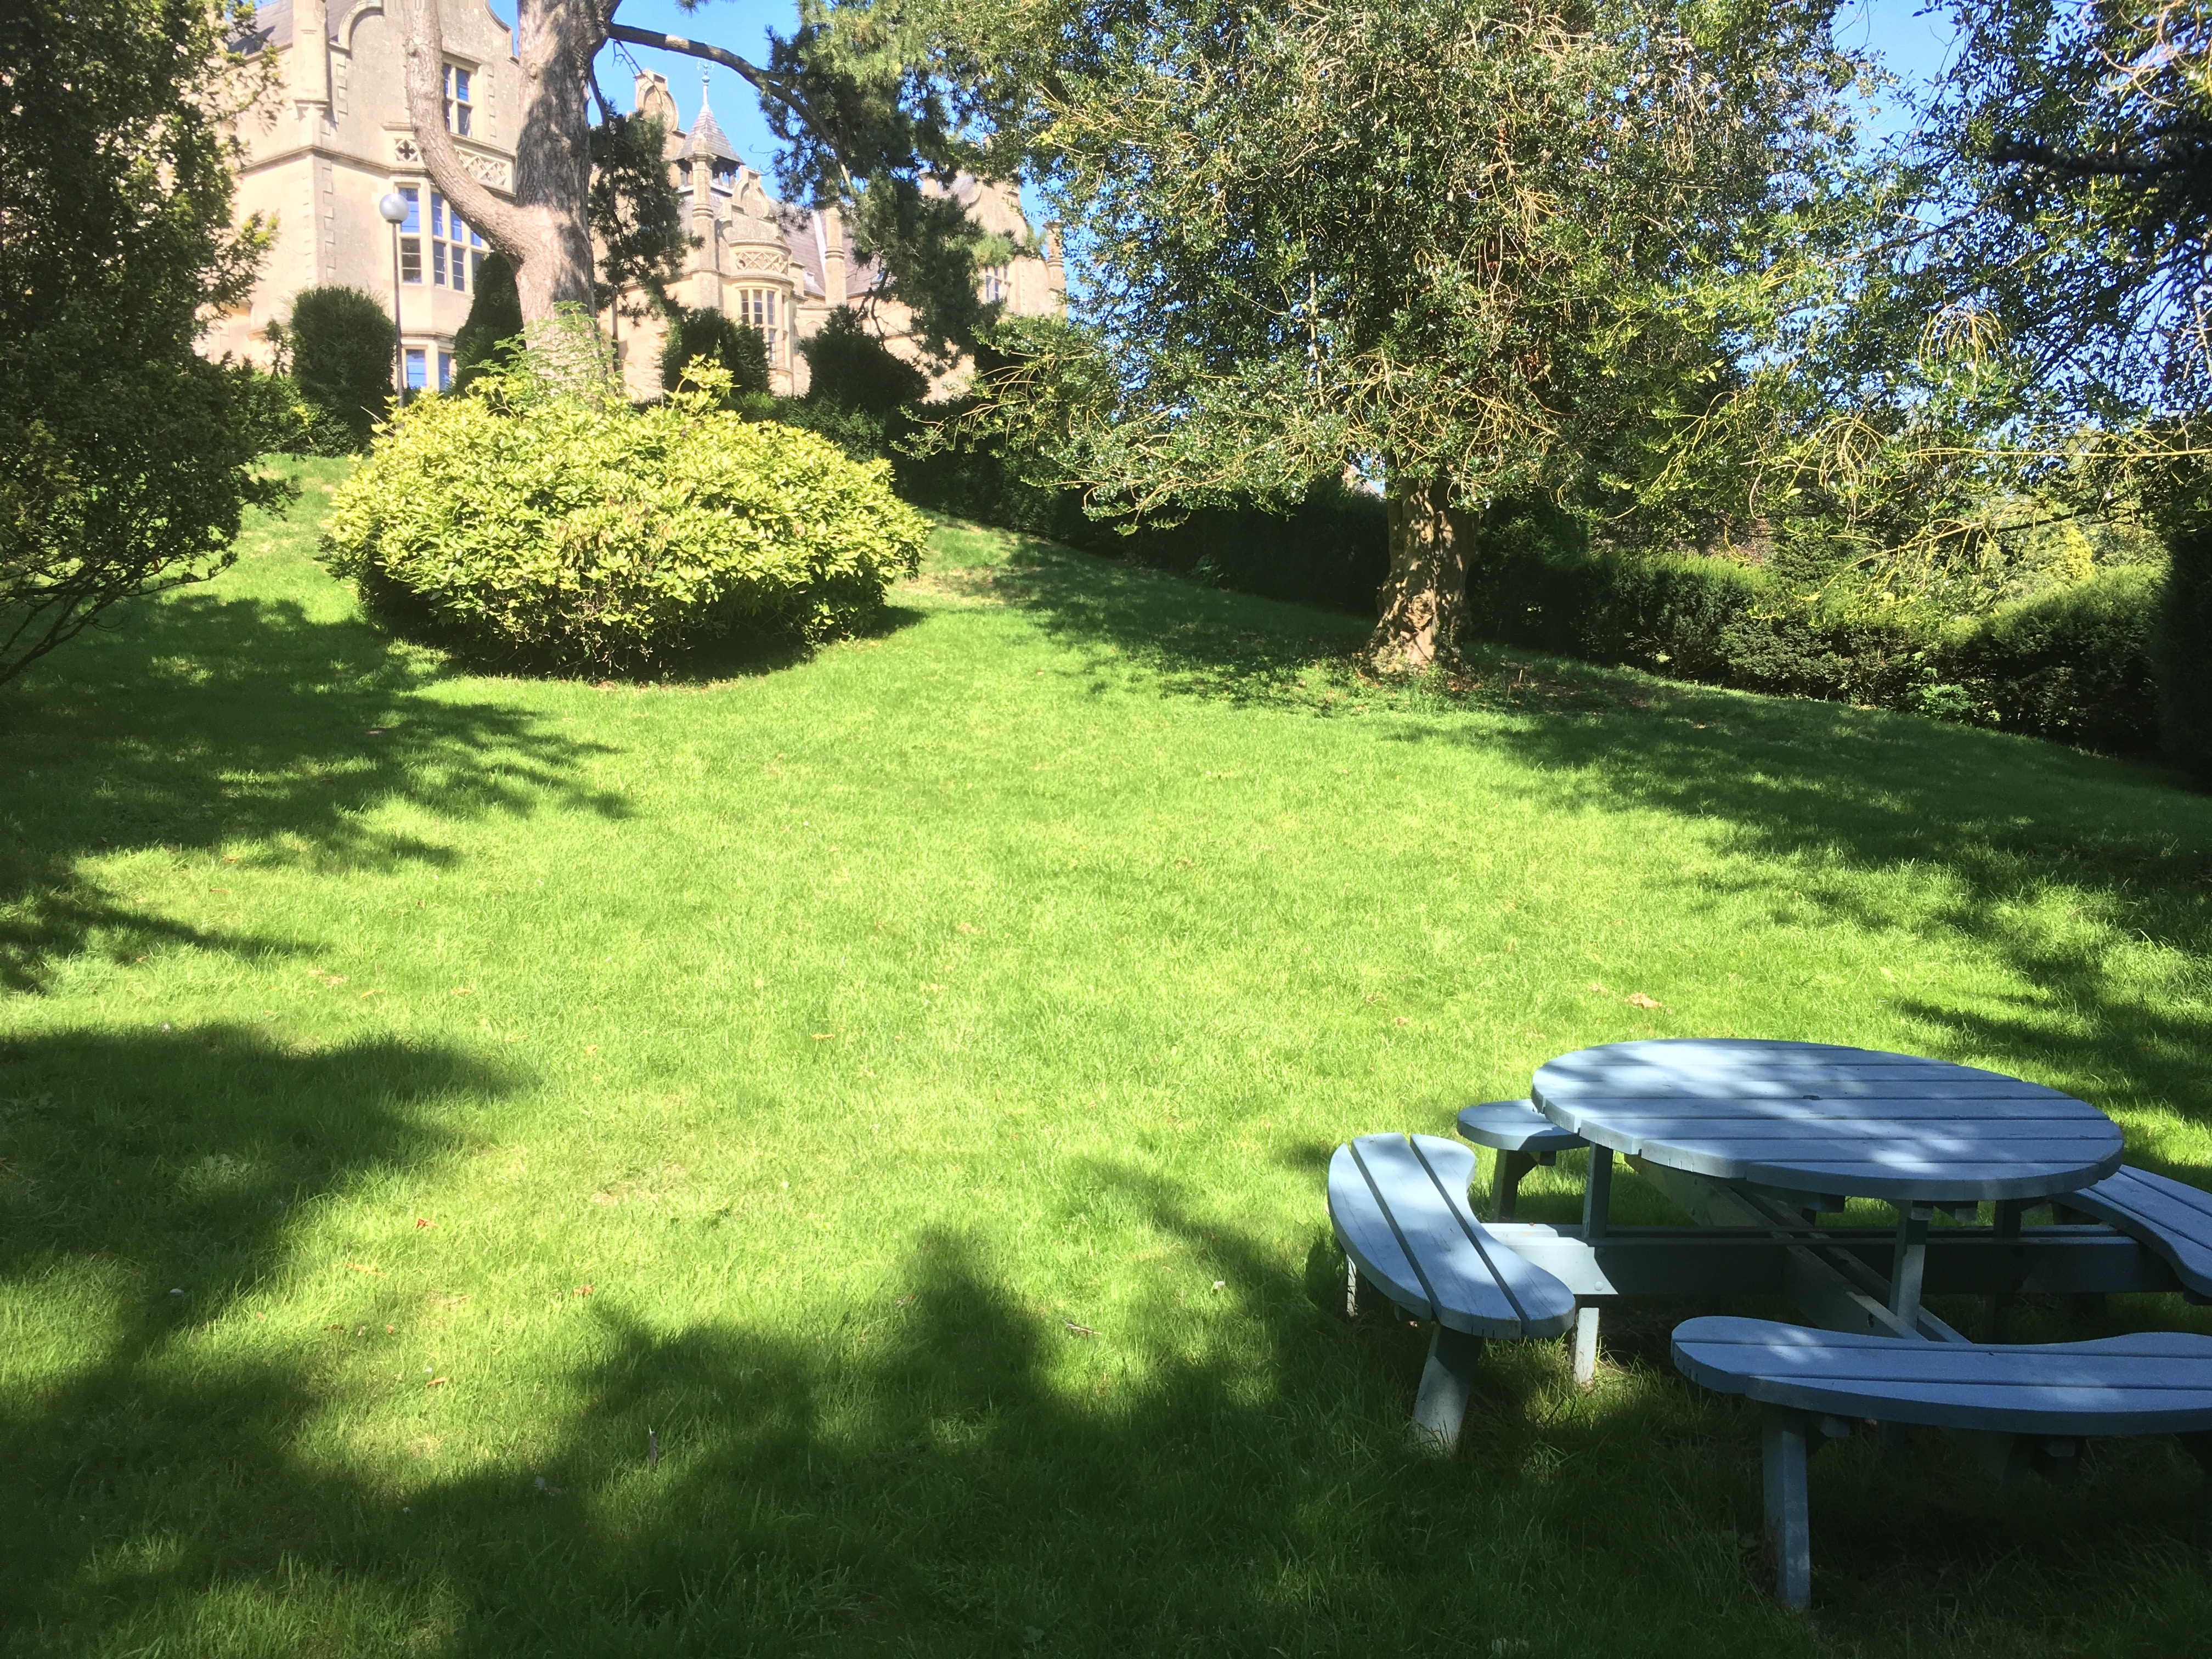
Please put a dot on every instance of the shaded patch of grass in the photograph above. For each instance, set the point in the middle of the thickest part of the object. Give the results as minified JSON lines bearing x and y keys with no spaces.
{"x":900,"y":1083}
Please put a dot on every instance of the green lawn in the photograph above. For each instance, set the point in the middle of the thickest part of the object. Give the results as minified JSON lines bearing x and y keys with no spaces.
{"x":901,"y":1083}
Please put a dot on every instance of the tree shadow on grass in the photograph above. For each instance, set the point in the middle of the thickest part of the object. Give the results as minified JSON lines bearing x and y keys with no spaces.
{"x":953,"y":1471}
{"x":208,"y":720}
{"x":1196,"y":640}
{"x":1810,"y":797}
{"x":2043,"y":855}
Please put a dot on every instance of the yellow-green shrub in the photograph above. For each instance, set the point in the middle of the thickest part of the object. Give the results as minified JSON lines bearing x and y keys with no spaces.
{"x":564,"y":530}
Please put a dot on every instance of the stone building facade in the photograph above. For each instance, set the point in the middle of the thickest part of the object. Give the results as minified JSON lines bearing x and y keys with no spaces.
{"x":327,"y":146}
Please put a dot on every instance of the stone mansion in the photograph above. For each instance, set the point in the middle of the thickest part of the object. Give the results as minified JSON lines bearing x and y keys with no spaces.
{"x":325,"y":147}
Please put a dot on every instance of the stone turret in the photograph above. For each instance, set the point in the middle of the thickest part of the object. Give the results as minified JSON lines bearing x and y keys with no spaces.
{"x":711,"y":161}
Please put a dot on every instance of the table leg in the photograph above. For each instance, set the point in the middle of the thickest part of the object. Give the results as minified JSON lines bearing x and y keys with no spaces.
{"x":2007,"y":1217}
{"x":1598,"y":1193}
{"x":1910,"y":1264}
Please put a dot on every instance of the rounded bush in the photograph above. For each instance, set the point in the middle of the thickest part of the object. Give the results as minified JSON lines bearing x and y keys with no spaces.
{"x":564,"y":531}
{"x":342,"y":353}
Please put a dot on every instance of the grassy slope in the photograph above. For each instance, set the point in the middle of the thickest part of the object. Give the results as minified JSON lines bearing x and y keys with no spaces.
{"x":854,"y":1032}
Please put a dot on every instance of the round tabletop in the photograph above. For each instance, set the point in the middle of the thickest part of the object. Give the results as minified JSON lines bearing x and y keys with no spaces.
{"x":1810,"y":1117}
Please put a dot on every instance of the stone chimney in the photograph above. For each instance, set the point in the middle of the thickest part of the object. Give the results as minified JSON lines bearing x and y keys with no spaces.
{"x":651,"y":96}
{"x":311,"y":58}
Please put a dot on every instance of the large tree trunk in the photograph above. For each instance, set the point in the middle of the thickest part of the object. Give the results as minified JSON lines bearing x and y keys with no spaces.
{"x":545,"y":230}
{"x":1423,"y":601}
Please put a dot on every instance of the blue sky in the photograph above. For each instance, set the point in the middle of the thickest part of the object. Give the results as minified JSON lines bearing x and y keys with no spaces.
{"x":1915,"y":43}
{"x":739,"y":25}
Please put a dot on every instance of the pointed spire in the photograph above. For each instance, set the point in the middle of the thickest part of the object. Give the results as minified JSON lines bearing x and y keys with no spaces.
{"x":706,"y":136}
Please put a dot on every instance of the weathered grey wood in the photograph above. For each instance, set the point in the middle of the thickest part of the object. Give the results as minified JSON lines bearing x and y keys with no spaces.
{"x":1399,"y":1205}
{"x":2174,"y":1219}
{"x":1371,"y":1243}
{"x":1598,"y":1193}
{"x":2019,"y":1409}
{"x":1782,"y":1443}
{"x":2150,"y":1383}
{"x":1514,"y":1125}
{"x":1506,"y":1174}
{"x":1447,"y":1380}
{"x":1522,"y":1137}
{"x":1743,"y":1261}
{"x":1910,"y":1264}
{"x":1585,"y":1345}
{"x":1824,"y":1121}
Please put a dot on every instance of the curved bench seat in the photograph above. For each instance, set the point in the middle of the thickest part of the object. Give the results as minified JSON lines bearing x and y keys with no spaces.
{"x":1398,"y":1204}
{"x":2169,"y":1218}
{"x":1814,"y":1384}
{"x":1522,"y":1137}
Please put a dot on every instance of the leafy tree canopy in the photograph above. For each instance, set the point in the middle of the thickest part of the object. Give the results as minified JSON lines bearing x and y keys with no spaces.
{"x":125,"y":458}
{"x":636,"y":212}
{"x":1479,"y":248}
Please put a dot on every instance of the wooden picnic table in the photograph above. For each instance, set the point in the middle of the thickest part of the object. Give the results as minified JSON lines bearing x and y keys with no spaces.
{"x":1757,"y":1142}
{"x":1808,"y":1124}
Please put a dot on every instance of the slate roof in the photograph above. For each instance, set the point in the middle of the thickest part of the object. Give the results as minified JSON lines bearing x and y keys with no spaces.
{"x":808,"y":246}
{"x":707,"y":138}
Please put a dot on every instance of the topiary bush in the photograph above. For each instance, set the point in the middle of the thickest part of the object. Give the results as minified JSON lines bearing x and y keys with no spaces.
{"x":554,"y":530}
{"x":2182,"y":645}
{"x":849,"y":366}
{"x":736,"y":348}
{"x":494,"y":319}
{"x":341,"y":346}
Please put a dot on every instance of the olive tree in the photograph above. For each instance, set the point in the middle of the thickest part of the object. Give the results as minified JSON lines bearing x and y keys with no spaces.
{"x":1468,"y":248}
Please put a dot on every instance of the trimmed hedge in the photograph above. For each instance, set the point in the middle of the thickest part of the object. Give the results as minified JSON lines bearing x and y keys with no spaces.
{"x":2075,"y":665}
{"x":2183,"y":647}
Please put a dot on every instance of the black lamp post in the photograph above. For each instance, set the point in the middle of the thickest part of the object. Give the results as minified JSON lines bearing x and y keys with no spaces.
{"x":393,"y":207}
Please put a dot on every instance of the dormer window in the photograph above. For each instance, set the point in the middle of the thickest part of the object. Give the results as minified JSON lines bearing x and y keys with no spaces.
{"x":457,"y":107}
{"x":724,"y":175}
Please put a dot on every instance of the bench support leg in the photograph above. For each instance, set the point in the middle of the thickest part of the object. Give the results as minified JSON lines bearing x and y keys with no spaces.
{"x":1585,"y":1345}
{"x":2199,"y":1446}
{"x":1781,"y":1438}
{"x":1446,"y":1380}
{"x":1351,"y":1288}
{"x":1506,"y":1183}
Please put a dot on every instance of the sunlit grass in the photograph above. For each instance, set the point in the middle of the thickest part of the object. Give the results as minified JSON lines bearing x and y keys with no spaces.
{"x":900,"y":1083}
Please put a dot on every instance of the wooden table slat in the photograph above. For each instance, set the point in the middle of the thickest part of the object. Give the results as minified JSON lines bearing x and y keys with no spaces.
{"x":1786,"y":1116}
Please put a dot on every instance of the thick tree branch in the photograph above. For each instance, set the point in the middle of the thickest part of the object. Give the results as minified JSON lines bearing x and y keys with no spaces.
{"x":503,"y":226}
{"x":764,"y":81}
{"x":2031,"y":152}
